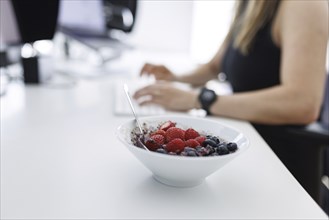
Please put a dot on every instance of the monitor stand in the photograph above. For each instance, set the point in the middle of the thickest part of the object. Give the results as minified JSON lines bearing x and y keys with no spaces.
{"x":40,"y":69}
{"x":107,"y":47}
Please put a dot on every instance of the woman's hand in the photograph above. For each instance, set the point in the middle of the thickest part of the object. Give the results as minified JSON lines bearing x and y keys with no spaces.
{"x":168,"y":96}
{"x":160,"y":72}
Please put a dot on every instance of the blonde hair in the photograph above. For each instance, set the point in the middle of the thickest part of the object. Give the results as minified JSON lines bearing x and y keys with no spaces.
{"x":250,"y":16}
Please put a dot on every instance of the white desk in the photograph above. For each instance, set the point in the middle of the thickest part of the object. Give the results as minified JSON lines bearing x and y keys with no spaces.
{"x":60,"y":159}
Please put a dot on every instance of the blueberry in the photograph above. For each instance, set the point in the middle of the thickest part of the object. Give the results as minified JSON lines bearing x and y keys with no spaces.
{"x":214,"y":138}
{"x":183,"y":153}
{"x":210,"y":149}
{"x":223,"y":144}
{"x":201,"y":151}
{"x":189,"y":149}
{"x":192,"y":153}
{"x":231,"y":146}
{"x":161,"y":151}
{"x":209,"y":142}
{"x":222,"y":150}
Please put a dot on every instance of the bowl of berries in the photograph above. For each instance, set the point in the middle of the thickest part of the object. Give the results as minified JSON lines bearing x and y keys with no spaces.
{"x":182,"y":151}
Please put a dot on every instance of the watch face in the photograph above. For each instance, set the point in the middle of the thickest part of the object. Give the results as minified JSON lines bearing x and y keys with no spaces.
{"x":208,"y":96}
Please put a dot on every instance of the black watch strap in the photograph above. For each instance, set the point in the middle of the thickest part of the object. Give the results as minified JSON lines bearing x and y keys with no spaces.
{"x":206,"y":98}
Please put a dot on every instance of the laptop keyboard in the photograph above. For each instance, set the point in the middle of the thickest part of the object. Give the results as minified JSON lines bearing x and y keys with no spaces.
{"x":121,"y":104}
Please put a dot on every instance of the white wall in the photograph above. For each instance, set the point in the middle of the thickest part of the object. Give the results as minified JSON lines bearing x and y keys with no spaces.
{"x":163,"y":25}
{"x":211,"y":20}
{"x":196,"y":27}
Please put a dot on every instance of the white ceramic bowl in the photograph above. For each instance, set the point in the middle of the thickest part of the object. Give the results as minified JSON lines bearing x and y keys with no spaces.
{"x":183,"y":171}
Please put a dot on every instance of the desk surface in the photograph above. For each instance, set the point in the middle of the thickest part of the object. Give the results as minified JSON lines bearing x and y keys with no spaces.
{"x":60,"y":159}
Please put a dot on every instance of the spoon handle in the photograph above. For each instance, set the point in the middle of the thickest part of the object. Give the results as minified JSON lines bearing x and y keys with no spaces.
{"x":134,"y":112}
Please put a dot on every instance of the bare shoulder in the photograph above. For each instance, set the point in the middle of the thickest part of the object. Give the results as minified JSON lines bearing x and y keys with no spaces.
{"x":306,"y":17}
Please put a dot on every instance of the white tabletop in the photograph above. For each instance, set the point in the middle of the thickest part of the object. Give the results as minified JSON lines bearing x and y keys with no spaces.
{"x":60,"y":159}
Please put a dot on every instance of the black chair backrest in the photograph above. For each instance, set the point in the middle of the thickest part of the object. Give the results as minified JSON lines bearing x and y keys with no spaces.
{"x":324,"y":118}
{"x":324,"y":121}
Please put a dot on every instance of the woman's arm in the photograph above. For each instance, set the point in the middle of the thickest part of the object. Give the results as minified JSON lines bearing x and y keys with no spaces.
{"x":301,"y":30}
{"x":172,"y":98}
{"x":197,"y":77}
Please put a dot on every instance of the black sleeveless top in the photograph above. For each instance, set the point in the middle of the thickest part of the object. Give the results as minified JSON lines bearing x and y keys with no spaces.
{"x":260,"y":68}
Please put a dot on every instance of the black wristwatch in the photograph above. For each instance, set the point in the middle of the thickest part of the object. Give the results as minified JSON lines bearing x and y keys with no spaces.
{"x":206,"y":98}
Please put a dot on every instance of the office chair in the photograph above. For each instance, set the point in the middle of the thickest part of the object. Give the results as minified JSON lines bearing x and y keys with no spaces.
{"x":316,"y":139}
{"x":120,"y":14}
{"x":301,"y":149}
{"x":324,"y":190}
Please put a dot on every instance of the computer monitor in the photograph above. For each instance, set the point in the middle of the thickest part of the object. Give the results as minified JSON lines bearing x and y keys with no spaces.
{"x":82,"y":18}
{"x":36,"y":19}
{"x":96,"y":18}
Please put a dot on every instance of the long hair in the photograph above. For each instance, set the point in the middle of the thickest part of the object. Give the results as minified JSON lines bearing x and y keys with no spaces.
{"x":249,"y":17}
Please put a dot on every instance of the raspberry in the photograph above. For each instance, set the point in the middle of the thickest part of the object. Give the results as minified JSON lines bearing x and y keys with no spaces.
{"x":191,"y":143}
{"x":173,"y":133}
{"x":175,"y":145}
{"x":165,"y":126}
{"x":158,"y":138}
{"x":191,"y":134}
{"x":200,"y":139}
{"x":161,"y":132}
{"x":151,"y":144}
{"x":172,"y":140}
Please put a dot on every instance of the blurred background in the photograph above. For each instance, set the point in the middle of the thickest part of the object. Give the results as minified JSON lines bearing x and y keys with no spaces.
{"x":193,"y":28}
{"x":99,"y":31}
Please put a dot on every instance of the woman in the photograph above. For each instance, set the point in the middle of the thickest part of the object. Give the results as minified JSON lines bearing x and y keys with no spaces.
{"x":274,"y":56}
